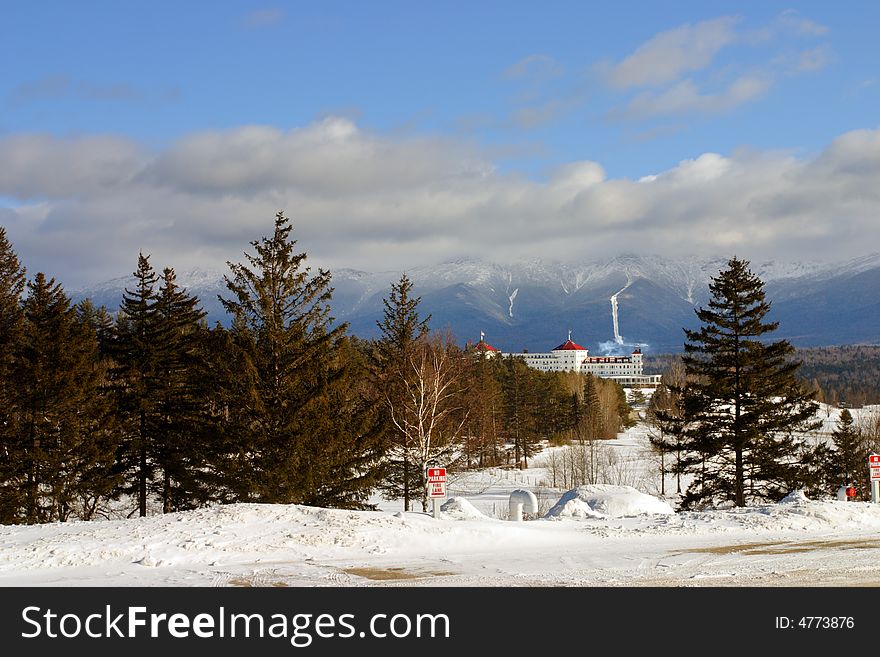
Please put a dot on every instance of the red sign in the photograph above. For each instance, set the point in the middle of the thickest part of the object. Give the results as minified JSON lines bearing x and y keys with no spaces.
{"x":874,"y":466}
{"x":436,"y":482}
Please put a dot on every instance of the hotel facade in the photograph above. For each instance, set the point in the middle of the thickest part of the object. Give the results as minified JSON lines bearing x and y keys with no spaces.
{"x":571,"y":357}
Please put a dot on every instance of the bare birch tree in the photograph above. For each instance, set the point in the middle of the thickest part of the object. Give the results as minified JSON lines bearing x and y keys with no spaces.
{"x":429,"y":412}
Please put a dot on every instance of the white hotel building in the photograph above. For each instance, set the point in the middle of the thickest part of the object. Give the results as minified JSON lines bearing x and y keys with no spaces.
{"x":571,"y":357}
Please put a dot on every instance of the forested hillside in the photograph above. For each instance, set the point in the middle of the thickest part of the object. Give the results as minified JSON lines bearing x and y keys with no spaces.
{"x":848,"y":373}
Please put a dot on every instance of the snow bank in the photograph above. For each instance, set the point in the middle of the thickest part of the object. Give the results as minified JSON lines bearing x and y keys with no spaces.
{"x":603,"y":500}
{"x":795,"y":497}
{"x":459,"y":507}
{"x":573,"y":508}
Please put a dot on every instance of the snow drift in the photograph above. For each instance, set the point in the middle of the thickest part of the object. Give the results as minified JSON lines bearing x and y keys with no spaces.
{"x":604,"y":500}
{"x":459,"y":507}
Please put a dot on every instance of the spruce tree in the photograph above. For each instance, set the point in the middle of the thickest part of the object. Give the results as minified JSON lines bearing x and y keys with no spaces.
{"x":281,"y":328}
{"x":178,"y":442}
{"x":576,"y":417}
{"x":65,"y":449}
{"x":482,"y":408}
{"x":520,"y":424}
{"x":348,"y":439}
{"x":664,"y":415}
{"x":743,"y":401}
{"x":624,"y":410}
{"x":230,"y":389}
{"x":140,"y":337}
{"x":400,"y":328}
{"x":847,"y":461}
{"x":485,"y":410}
{"x":12,"y":285}
{"x":593,"y":418}
{"x":101,"y":323}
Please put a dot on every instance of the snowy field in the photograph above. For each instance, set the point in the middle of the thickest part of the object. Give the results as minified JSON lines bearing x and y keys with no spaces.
{"x":595,"y":536}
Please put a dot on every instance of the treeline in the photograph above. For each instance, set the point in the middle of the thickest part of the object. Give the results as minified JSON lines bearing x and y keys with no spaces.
{"x":158,"y":409}
{"x":847,"y":374}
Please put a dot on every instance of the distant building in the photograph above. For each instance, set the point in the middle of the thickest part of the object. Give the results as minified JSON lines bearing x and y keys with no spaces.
{"x":571,"y":357}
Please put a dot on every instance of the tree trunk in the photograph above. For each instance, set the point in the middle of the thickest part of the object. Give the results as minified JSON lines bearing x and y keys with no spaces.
{"x":166,"y":493}
{"x":740,"y":478}
{"x":142,"y":469}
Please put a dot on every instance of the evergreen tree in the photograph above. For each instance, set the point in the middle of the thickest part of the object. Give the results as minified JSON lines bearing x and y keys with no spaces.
{"x":847,"y":463}
{"x":65,"y":450}
{"x":518,"y":408}
{"x":12,"y":285}
{"x":178,"y":442}
{"x":349,"y":439}
{"x":227,"y":423}
{"x":140,"y":337}
{"x":575,"y":417}
{"x":481,"y":406}
{"x":665,"y":416}
{"x":101,"y":324}
{"x":742,"y":401}
{"x":400,"y":329}
{"x":625,"y":418}
{"x":593,"y":417}
{"x":294,"y":377}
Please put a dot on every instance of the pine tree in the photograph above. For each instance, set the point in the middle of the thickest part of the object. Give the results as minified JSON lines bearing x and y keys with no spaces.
{"x":140,"y":336}
{"x":575,"y":419}
{"x":349,"y":439}
{"x":230,"y":389}
{"x":482,"y":406}
{"x":400,"y":329}
{"x":593,"y":417}
{"x":624,"y":410}
{"x":743,"y":400}
{"x":100,"y":322}
{"x":665,"y":416}
{"x":281,"y":328}
{"x":65,"y":450}
{"x":100,"y":481}
{"x":12,"y":285}
{"x":847,"y":463}
{"x":178,"y":442}
{"x":518,"y":408}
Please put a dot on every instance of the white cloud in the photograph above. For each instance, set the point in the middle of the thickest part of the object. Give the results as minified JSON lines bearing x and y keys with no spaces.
{"x":84,"y":207}
{"x":814,"y":59}
{"x":534,"y":66}
{"x":677,"y":66}
{"x":34,"y":165}
{"x":670,"y":55}
{"x":790,"y":19}
{"x":685,"y":98}
{"x":541,"y":114}
{"x":330,"y":157}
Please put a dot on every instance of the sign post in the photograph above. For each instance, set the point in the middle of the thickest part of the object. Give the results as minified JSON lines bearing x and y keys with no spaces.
{"x":436,"y":487}
{"x":874,"y":469}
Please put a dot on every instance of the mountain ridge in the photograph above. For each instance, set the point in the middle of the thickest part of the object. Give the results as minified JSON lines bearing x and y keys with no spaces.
{"x":530,"y":303}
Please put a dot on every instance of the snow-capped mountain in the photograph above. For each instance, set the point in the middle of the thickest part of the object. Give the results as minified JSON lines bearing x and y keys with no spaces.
{"x":531,"y":304}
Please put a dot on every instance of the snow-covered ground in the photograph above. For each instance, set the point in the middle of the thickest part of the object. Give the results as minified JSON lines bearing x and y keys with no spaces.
{"x":594,"y":536}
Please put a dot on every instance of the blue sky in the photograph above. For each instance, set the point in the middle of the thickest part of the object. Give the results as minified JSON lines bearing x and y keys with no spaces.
{"x":399,"y":133}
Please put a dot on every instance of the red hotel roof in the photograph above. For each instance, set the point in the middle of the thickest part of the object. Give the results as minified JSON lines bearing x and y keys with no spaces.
{"x":568,"y":345}
{"x":484,"y":346}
